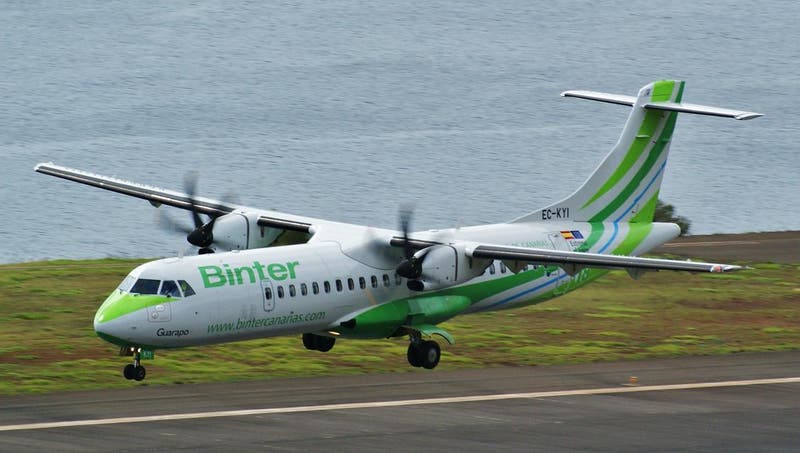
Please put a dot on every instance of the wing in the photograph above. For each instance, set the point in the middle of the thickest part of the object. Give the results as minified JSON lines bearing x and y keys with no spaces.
{"x":158,"y":197}
{"x":574,"y":261}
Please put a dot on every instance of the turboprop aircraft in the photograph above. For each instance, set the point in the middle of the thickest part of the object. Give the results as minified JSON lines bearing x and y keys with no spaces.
{"x":263,"y":273}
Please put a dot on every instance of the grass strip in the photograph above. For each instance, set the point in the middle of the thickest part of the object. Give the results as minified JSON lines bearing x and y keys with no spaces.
{"x":47,"y":343}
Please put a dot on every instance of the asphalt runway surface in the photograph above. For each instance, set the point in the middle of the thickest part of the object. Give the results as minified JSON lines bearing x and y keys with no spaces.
{"x":774,"y":247}
{"x":739,"y":402}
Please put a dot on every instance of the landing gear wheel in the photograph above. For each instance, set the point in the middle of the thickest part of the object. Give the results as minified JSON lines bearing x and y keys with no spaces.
{"x":429,"y":353}
{"x":414,"y":356}
{"x":135,"y":370}
{"x":308,"y":341}
{"x":316,"y":342}
{"x":325,"y":344}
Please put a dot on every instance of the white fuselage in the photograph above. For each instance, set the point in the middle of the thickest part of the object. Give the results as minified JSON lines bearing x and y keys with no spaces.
{"x":314,"y":287}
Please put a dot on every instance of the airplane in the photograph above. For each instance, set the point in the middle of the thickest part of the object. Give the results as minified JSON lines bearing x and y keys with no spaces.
{"x":261,"y":273}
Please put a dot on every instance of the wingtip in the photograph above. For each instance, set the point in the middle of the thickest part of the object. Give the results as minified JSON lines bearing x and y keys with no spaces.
{"x":748,"y":116}
{"x":720,"y":268}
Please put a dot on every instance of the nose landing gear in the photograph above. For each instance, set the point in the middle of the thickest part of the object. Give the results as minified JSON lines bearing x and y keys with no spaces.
{"x":135,"y":370}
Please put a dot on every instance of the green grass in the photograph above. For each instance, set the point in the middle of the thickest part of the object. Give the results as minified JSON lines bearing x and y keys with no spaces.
{"x":47,"y":343}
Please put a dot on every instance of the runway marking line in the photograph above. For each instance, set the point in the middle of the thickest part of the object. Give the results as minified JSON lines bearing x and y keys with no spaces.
{"x":381,"y":404}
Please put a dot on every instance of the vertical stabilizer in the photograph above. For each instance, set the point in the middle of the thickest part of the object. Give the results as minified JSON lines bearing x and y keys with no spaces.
{"x":624,"y":188}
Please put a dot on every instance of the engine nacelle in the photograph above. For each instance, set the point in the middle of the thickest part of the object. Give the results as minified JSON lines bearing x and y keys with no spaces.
{"x":240,"y":231}
{"x":444,"y":266}
{"x":231,"y":232}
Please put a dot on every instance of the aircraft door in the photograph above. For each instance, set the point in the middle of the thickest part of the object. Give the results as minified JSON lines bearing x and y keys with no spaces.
{"x":268,"y":295}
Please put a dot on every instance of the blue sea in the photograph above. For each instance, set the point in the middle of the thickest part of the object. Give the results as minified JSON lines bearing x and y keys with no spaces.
{"x":348,"y":109}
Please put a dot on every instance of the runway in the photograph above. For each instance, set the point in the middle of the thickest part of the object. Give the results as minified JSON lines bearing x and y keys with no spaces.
{"x":741,"y":402}
{"x":770,"y":247}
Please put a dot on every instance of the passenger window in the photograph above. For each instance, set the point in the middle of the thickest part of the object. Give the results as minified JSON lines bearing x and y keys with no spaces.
{"x":280,"y":292}
{"x":186,"y":288}
{"x":397,"y":279}
{"x":303,"y":289}
{"x":491,"y":268}
{"x":292,"y":291}
{"x":386,"y":281}
{"x":351,"y":285}
{"x":374,"y":281}
{"x":315,"y":288}
{"x":502,"y":267}
{"x":268,"y":293}
{"x":362,"y":282}
{"x":170,"y":289}
{"x":145,"y":286}
{"x":338,"y":285}
{"x":327,"y":286}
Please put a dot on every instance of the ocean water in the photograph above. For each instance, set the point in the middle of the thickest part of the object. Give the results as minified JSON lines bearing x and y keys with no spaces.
{"x":347,"y":110}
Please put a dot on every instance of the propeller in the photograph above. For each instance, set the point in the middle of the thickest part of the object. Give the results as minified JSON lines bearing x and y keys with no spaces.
{"x":201,"y":234}
{"x":411,"y":266}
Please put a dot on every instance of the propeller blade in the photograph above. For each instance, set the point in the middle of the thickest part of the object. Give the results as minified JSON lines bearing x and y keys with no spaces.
{"x":411,"y":266}
{"x":202,"y":235}
{"x":406,"y":212}
{"x":190,"y":185}
{"x":165,"y":222}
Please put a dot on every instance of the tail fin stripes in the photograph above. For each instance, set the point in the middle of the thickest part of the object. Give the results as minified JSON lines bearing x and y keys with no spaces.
{"x":625,"y":186}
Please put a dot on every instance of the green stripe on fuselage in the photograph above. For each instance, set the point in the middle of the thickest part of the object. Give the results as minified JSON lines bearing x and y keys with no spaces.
{"x":120,"y":304}
{"x":636,"y":234}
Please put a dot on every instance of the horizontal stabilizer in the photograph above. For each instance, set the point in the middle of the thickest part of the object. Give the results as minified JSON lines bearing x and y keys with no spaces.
{"x":622,"y":99}
{"x":702,"y":110}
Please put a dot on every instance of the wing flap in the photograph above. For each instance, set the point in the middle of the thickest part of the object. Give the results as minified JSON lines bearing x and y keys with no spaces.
{"x":576,"y":260}
{"x":284,"y":224}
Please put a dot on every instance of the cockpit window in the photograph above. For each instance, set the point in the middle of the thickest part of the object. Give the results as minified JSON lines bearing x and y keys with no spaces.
{"x":186,"y":288}
{"x":169,"y":289}
{"x":145,"y":286}
{"x":126,"y":284}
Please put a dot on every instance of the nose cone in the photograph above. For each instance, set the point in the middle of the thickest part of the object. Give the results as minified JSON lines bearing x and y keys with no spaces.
{"x":107,"y":322}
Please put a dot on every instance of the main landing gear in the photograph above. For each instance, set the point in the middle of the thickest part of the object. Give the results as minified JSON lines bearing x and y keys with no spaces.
{"x":424,"y":354}
{"x":318,"y":342}
{"x":135,"y":370}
